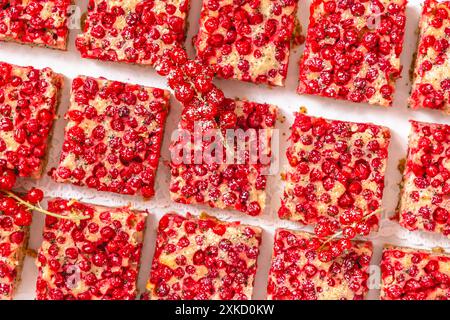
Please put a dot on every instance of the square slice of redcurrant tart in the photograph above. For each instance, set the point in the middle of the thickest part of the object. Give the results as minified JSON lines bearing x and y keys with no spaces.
{"x":431,"y":84}
{"x":425,"y":189}
{"x":336,"y":174}
{"x":95,"y":258}
{"x":15,"y":221}
{"x":203,"y":258}
{"x":238,"y":184}
{"x":298,"y":272}
{"x":353,"y":50}
{"x":113,"y":138}
{"x":29,"y":98}
{"x":247,"y":40}
{"x":412,"y":274}
{"x":35,"y":22}
{"x":137,"y":31}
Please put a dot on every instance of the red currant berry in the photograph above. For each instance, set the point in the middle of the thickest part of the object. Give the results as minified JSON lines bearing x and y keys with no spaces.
{"x":344,"y":244}
{"x":362,"y":228}
{"x":35,"y":195}
{"x":349,"y":232}
{"x":325,"y":256}
{"x":22,"y":217}
{"x":7,"y":180}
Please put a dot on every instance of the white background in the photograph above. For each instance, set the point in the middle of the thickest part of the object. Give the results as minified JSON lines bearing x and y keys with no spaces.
{"x":70,"y":64}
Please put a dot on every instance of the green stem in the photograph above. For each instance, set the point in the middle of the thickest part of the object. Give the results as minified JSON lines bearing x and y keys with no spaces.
{"x":39,"y":209}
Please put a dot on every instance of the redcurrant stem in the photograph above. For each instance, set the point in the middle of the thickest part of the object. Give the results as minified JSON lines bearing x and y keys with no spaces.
{"x":337,"y":234}
{"x":38,"y":208}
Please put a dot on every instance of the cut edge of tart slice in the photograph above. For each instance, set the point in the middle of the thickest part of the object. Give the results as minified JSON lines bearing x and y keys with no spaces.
{"x":237,"y":186}
{"x":26,"y":142}
{"x":297,"y":273}
{"x":105,"y":249}
{"x":113,"y":139}
{"x":336,"y":172}
{"x":261,"y":55}
{"x":430,"y":86}
{"x":424,"y":274}
{"x":425,"y":179}
{"x":106,"y":30}
{"x":13,"y":250}
{"x":49,"y":10}
{"x":193,"y":254}
{"x":328,"y":71}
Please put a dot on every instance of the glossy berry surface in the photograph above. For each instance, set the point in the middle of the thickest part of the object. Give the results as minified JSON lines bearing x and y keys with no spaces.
{"x":247,"y":40}
{"x":28,"y":102}
{"x":353,"y":50}
{"x":299,"y":271}
{"x":7,"y":178}
{"x":132,"y":31}
{"x":425,"y":187}
{"x":34,"y":196}
{"x":336,"y":173}
{"x":15,"y":221}
{"x":203,"y":259}
{"x":36,"y":22}
{"x":96,"y":259}
{"x":113,"y":138}
{"x":219,"y":183}
{"x":431,"y":87}
{"x":410,"y":274}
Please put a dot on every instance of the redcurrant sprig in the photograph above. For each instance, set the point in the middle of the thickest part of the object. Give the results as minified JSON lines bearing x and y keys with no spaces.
{"x":332,"y":247}
{"x":32,"y":201}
